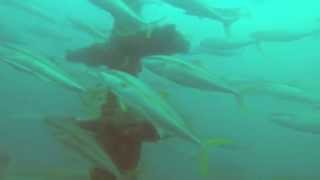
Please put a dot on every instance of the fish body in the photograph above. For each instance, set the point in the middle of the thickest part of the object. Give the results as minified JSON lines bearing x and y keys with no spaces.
{"x":282,"y":91}
{"x":281,"y":35}
{"x":222,"y":46}
{"x":81,"y":26}
{"x":225,"y":44}
{"x":125,"y":18}
{"x":136,"y":95}
{"x":9,"y":37}
{"x":137,"y":5}
{"x":215,"y":52}
{"x":40,"y":67}
{"x":187,"y":74}
{"x":83,"y":143}
{"x":202,"y":8}
{"x":49,"y":34}
{"x":295,"y":123}
{"x":30,"y":9}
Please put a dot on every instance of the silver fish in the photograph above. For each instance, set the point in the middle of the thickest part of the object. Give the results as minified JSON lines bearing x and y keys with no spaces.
{"x":39,"y":66}
{"x":189,"y":75}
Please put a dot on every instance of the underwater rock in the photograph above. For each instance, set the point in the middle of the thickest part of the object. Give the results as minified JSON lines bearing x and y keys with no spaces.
{"x":125,"y":52}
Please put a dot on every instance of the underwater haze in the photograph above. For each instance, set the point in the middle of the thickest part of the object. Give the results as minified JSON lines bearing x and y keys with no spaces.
{"x":259,"y":86}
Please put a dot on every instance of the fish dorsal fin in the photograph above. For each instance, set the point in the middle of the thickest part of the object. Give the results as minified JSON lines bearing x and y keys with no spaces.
{"x":123,"y":106}
{"x":163,"y":134}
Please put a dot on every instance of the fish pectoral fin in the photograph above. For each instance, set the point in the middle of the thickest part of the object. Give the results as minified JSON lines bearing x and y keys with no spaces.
{"x":123,"y":106}
{"x":163,"y":134}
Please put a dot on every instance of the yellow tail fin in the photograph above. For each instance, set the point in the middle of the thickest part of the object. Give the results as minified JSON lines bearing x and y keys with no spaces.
{"x":204,"y":153}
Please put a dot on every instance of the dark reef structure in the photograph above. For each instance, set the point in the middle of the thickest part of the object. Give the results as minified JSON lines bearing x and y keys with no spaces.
{"x":125,"y":52}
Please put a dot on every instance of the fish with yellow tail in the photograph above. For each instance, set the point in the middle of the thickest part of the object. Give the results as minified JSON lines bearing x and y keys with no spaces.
{"x":190,"y":75}
{"x":126,"y":20}
{"x":39,"y":66}
{"x":202,"y":8}
{"x":137,"y":97}
{"x":281,"y":36}
{"x":296,"y":122}
{"x":83,"y":143}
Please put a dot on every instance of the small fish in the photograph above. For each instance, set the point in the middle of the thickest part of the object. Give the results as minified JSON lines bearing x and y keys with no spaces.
{"x":296,"y":123}
{"x":222,"y":46}
{"x":225,"y":44}
{"x":215,"y":52}
{"x":284,"y":91}
{"x":277,"y":35}
{"x":203,"y":8}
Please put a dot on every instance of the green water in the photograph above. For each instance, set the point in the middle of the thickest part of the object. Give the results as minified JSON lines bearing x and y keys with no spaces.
{"x":264,"y":150}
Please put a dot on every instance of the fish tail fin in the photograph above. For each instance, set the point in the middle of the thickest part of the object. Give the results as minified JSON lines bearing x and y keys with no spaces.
{"x":204,"y":153}
{"x":259,"y":46}
{"x":227,"y":26}
{"x":240,"y":101}
{"x":151,"y":26}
